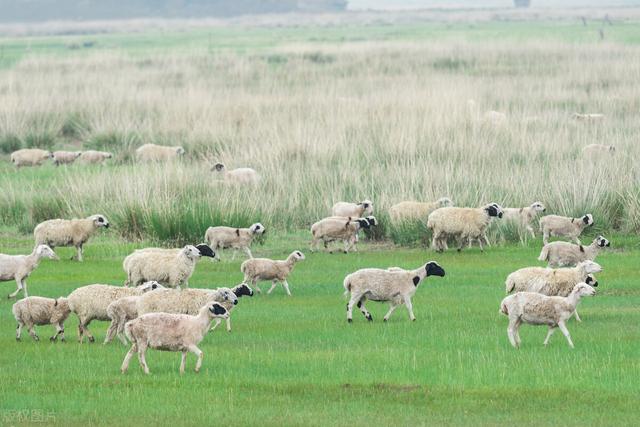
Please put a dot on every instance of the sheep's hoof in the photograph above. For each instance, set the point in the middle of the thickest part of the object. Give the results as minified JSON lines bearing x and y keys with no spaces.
{"x":92,"y":339}
{"x":350,"y":320}
{"x":63,"y":340}
{"x":413,"y":320}
{"x":36,"y":338}
{"x":385,"y":320}
{"x":370,"y":318}
{"x":345,"y":252}
{"x":18,"y":339}
{"x":52,"y":339}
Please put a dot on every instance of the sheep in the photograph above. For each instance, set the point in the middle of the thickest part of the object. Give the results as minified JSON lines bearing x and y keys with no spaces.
{"x":69,"y":232}
{"x":524,"y":216}
{"x":407,"y":211}
{"x":537,"y":309}
{"x":464,"y":223}
{"x":239,"y":291}
{"x":170,"y":332}
{"x":549,"y":281}
{"x":264,"y":269}
{"x":19,"y":267}
{"x":394,"y":285}
{"x":167,"y":266}
{"x":588,"y":117}
{"x":92,"y":157}
{"x":158,"y":153}
{"x":562,"y":226}
{"x":596,"y":151}
{"x":91,"y":302}
{"x":30,"y":157}
{"x":238,"y":175}
{"x":353,"y":210}
{"x":65,"y":157}
{"x":339,"y":228}
{"x":32,"y":311}
{"x":235,"y":238}
{"x":565,"y":254}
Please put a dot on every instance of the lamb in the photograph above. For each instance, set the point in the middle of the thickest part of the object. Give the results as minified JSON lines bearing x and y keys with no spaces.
{"x":537,"y":309}
{"x":562,"y":226}
{"x":170,"y":267}
{"x":409,"y":211}
{"x":394,"y":285}
{"x":596,"y":151}
{"x":235,"y":238}
{"x":170,"y":332}
{"x":19,"y":267}
{"x":353,"y":210}
{"x":65,"y":157}
{"x":339,"y":228}
{"x":158,"y":153}
{"x":91,"y":302}
{"x":33,"y":311}
{"x":524,"y":216}
{"x":238,"y":175}
{"x":565,"y":254}
{"x":69,"y":232}
{"x":92,"y":157}
{"x":264,"y":269}
{"x":464,"y":223}
{"x":239,"y":291}
{"x":30,"y":157}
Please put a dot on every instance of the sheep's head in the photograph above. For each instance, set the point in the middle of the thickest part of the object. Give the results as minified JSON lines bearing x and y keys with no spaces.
{"x":62,"y":306}
{"x":191,"y":252}
{"x":218,"y":167}
{"x":443,"y":202}
{"x":216,"y":310}
{"x":372,"y":221}
{"x":99,"y":221}
{"x":106,"y":154}
{"x":601,"y":241}
{"x":257,"y":228}
{"x":205,"y":250}
{"x":151,"y":285}
{"x":583,"y":290}
{"x":47,"y":155}
{"x":432,"y":268}
{"x":590,"y":267}
{"x":44,"y":251}
{"x":179,"y":151}
{"x":297,"y":256}
{"x":77,"y":154}
{"x":226,"y":294}
{"x":367,"y":205}
{"x":591,"y":280}
{"x":587,"y":219}
{"x":494,"y":209}
{"x":243,"y":289}
{"x":362,"y":223}
{"x":538,"y":207}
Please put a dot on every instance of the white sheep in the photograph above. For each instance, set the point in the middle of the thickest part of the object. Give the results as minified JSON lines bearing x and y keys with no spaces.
{"x":170,"y":332}
{"x":524,"y":216}
{"x":537,"y":309}
{"x":562,"y":226}
{"x":412,"y":211}
{"x":238,"y":175}
{"x":394,"y":285}
{"x":69,"y":232}
{"x":65,"y":157}
{"x":158,"y":153}
{"x":264,"y":269}
{"x":187,"y":301}
{"x":91,"y":302}
{"x":19,"y":267}
{"x":92,"y":157}
{"x":465,"y":224}
{"x":597,"y":151}
{"x":30,"y":157}
{"x":339,"y":228}
{"x":565,"y":254}
{"x":33,"y":311}
{"x":222,"y":237}
{"x":353,"y":210}
{"x":239,"y":291}
{"x":588,"y":116}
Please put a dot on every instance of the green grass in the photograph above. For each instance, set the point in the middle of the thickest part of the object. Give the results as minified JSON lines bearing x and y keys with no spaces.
{"x":295,"y":361}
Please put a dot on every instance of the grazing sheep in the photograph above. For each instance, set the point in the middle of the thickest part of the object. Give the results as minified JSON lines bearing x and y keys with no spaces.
{"x":32,"y":311}
{"x":353,"y":210}
{"x":394,"y":285}
{"x":187,"y":301}
{"x":264,"y":269}
{"x":92,"y":157}
{"x":19,"y":267}
{"x":537,"y":309}
{"x":562,"y":226}
{"x":565,"y":254}
{"x":465,"y":224}
{"x":170,"y":267}
{"x":240,"y":290}
{"x":158,"y":153}
{"x":65,"y":157}
{"x":339,"y":228}
{"x":91,"y":302}
{"x":597,"y":151}
{"x":69,"y":232}
{"x":524,"y":216}
{"x":170,"y":332}
{"x":588,"y":117}
{"x":411,"y":211}
{"x":238,"y":175}
{"x":235,"y":238}
{"x":30,"y":157}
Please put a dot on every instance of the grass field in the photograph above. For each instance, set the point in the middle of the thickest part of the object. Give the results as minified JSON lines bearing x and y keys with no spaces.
{"x":294,"y":361}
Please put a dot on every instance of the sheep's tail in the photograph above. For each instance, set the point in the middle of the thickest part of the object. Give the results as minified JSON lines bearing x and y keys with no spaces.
{"x":510,"y":285}
{"x":127,"y":331}
{"x":544,"y":254}
{"x":503,"y":309}
{"x":347,"y":287}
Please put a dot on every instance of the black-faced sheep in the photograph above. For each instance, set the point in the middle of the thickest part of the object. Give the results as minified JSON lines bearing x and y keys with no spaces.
{"x":69,"y":232}
{"x":465,"y":224}
{"x":565,"y":254}
{"x":222,"y":237}
{"x":562,"y":226}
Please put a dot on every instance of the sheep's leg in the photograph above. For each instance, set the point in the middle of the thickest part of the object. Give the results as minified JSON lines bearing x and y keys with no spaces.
{"x":407,"y":302}
{"x":79,"y":250}
{"x":274,"y":283}
{"x":32,"y":332}
{"x":195,"y":350}
{"x":122,"y":338}
{"x":511,"y":333}
{"x":113,"y":327}
{"x":355,"y":297}
{"x":127,"y":358}
{"x":183,"y":361}
{"x":229,"y":324}
{"x":392,"y":308}
{"x":565,"y":331}
{"x":576,"y":240}
{"x":217,"y":322}
{"x":19,"y":331}
{"x":435,"y":245}
{"x":286,"y":287}
{"x":545,"y":237}
{"x":575,"y":312}
{"x":19,"y":287}
{"x":59,"y":331}
{"x":83,"y":329}
{"x":142,"y":359}
{"x":517,"y":332}
{"x":531,"y":231}
{"x":552,"y":329}
{"x":248,"y":252}
{"x":255,"y":286}
{"x":486,"y":240}
{"x":364,"y":310}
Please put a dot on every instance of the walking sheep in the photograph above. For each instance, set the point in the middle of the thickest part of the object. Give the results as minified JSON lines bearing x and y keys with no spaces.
{"x":353,"y":210}
{"x":233,"y":238}
{"x":597,"y":151}
{"x":237,"y":176}
{"x":65,"y":157}
{"x":562,"y":226}
{"x":394,"y":285}
{"x":412,"y":211}
{"x":465,"y":224}
{"x":537,"y":309}
{"x":30,"y":157}
{"x":186,"y":301}
{"x":565,"y":254}
{"x":524,"y":216}
{"x":338,"y":228}
{"x":69,"y":232}
{"x":92,"y":157}
{"x":264,"y":269}
{"x":19,"y":267}
{"x":170,"y":332}
{"x":158,"y":153}
{"x":33,"y":311}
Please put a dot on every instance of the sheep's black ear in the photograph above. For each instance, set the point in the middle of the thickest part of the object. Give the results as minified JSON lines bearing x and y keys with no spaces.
{"x":416,"y":280}
{"x":217,"y":309}
{"x":55,"y":303}
{"x":581,"y":248}
{"x":237,"y":232}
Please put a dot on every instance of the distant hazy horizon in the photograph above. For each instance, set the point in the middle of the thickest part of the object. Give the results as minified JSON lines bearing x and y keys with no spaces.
{"x":421,"y":4}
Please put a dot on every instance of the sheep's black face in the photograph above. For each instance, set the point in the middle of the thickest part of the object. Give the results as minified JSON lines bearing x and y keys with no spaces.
{"x":591,"y":281}
{"x":493,"y":210}
{"x":243,"y":290}
{"x":602,"y":242}
{"x":363,"y":223}
{"x":587,"y":219}
{"x":217,"y":309}
{"x":372,"y":221}
{"x":218,"y":167}
{"x":205,"y":250}
{"x":434,"y":269}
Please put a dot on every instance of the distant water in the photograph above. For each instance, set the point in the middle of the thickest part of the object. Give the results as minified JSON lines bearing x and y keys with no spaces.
{"x":422,"y":4}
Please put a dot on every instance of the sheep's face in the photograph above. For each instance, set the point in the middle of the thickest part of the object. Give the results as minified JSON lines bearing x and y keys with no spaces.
{"x":191,"y":252}
{"x":372,"y":221}
{"x":77,"y":154}
{"x":433,"y":269}
{"x":242,"y":290}
{"x":62,"y":306}
{"x":257,"y":228}
{"x":538,"y":207}
{"x":44,"y":251}
{"x":217,"y":310}
{"x":151,"y":285}
{"x":179,"y":151}
{"x":218,"y":167}
{"x":367,"y":205}
{"x":445,"y":202}
{"x":602,"y":242}
{"x":298,"y":256}
{"x":47,"y":155}
{"x":106,"y":155}
{"x":588,"y":219}
{"x":226,"y":294}
{"x":590,"y":267}
{"x":584,"y":290}
{"x":100,"y":221}
{"x":363,"y":223}
{"x":591,"y":280}
{"x":205,"y":250}
{"x":494,"y":210}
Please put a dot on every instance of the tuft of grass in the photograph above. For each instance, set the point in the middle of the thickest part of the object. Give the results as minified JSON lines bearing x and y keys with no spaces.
{"x":9,"y":143}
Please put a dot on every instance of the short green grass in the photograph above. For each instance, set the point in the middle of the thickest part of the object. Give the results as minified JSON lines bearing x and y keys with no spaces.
{"x":296,"y":361}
